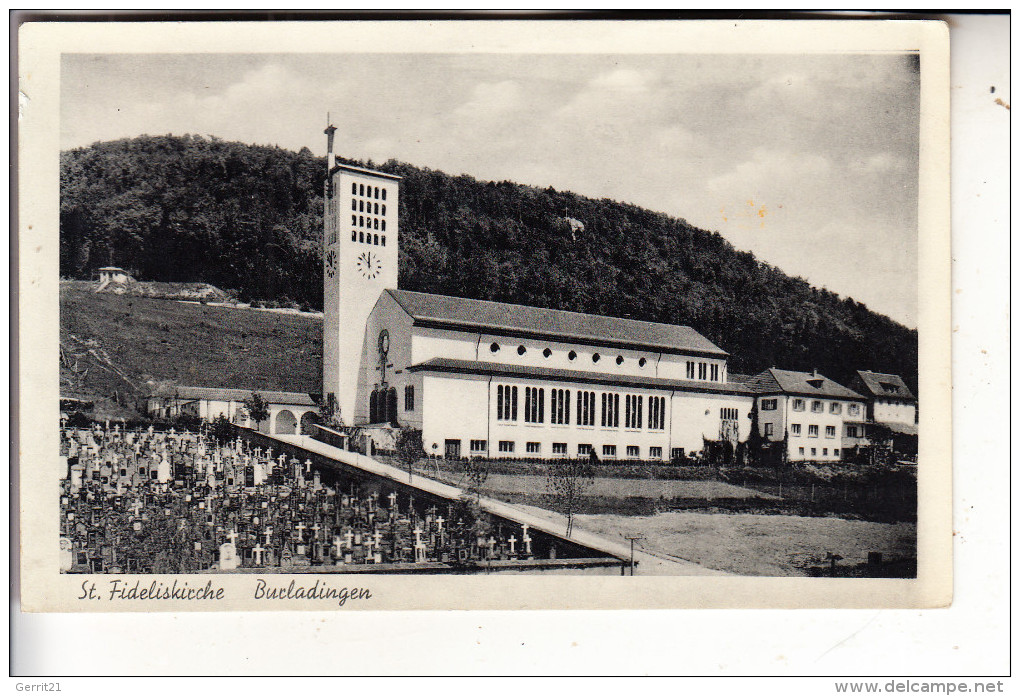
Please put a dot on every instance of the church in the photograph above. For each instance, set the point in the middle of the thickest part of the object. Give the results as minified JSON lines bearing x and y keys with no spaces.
{"x":502,"y":380}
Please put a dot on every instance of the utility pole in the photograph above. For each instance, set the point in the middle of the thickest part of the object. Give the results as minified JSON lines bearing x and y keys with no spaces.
{"x":632,"y":540}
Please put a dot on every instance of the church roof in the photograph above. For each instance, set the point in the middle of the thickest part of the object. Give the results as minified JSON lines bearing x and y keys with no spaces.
{"x":774,"y":381}
{"x":474,"y":367}
{"x":225,"y":394}
{"x":885,"y":385}
{"x":536,"y":322}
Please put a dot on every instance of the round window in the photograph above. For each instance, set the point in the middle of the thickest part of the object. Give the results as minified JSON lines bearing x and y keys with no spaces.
{"x":596,"y":357}
{"x":494,"y":347}
{"x":571,"y":355}
{"x":619,"y":359}
{"x":642,"y":362}
{"x":521,"y":350}
{"x":547,"y":352}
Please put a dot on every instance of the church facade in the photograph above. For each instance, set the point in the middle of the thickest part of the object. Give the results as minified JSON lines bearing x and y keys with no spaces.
{"x":491,"y":379}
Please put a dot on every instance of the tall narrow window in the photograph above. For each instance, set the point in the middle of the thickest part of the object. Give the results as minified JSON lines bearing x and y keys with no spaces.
{"x":376,"y":191}
{"x":362,"y":188}
{"x":702,"y":370}
{"x":384,"y":194}
{"x":690,"y":369}
{"x":354,"y":219}
{"x":534,"y":405}
{"x":383,"y":225}
{"x":354,"y":189}
{"x":384,"y":209}
{"x":354,"y":204}
{"x":375,"y":208}
{"x":559,"y":407}
{"x":715,"y":372}
{"x":506,"y":403}
{"x":409,"y":397}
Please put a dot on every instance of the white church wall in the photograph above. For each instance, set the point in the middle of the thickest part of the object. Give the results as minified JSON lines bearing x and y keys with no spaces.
{"x":432,"y":343}
{"x":696,"y":417}
{"x":389,"y":316}
{"x":453,"y":408}
{"x":673,"y":366}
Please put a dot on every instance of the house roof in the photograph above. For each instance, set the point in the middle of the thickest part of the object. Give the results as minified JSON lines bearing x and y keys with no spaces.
{"x":536,"y":322}
{"x":885,"y":385}
{"x":775,"y":381}
{"x":473,"y":367}
{"x":224,"y":394}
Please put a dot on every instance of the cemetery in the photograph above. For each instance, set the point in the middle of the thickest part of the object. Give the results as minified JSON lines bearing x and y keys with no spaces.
{"x":143,"y":501}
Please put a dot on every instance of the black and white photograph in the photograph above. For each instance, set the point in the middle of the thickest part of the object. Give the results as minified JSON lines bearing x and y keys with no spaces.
{"x":335,"y":315}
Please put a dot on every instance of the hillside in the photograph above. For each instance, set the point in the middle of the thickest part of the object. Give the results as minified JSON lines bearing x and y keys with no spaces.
{"x":248,"y":219}
{"x":116,"y":343}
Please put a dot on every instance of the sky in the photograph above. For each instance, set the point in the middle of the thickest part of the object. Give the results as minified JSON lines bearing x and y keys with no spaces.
{"x":808,"y":161}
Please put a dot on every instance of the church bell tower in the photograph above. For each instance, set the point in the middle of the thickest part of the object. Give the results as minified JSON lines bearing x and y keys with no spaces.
{"x":359,"y":261}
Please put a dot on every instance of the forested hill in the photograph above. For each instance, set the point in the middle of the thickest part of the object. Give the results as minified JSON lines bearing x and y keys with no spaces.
{"x":249,"y":219}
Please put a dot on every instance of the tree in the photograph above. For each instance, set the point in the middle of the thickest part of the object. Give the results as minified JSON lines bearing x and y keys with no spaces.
{"x":409,"y":448}
{"x":222,"y":429}
{"x":567,"y":482}
{"x":257,"y":407}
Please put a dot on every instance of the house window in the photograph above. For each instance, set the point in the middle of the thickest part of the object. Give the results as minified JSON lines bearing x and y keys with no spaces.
{"x":559,"y":406}
{"x":383,"y":209}
{"x":354,"y":219}
{"x":583,"y":450}
{"x":851,"y":431}
{"x":361,"y":221}
{"x":656,"y":412}
{"x":375,"y":208}
{"x":642,"y":362}
{"x":812,"y":431}
{"x":825,"y":451}
{"x":354,"y":189}
{"x":676,"y":454}
{"x":354,"y":235}
{"x":608,"y":450}
{"x":795,"y":428}
{"x":817,"y":407}
{"x":798,"y":404}
{"x":384,"y":194}
{"x":383,"y":228}
{"x":702,"y":370}
{"x":728,"y":413}
{"x":354,"y":204}
{"x":830,"y":431}
{"x":610,"y":410}
{"x":814,"y":451}
{"x":361,"y":206}
{"x":362,"y":189}
{"x":506,"y":403}
{"x":533,"y":447}
{"x":690,"y":369}
{"x":478,"y":445}
{"x":586,"y":408}
{"x":506,"y":446}
{"x":409,"y":397}
{"x":546,"y":353}
{"x":375,"y":239}
{"x":560,"y":449}
{"x":571,"y":355}
{"x":383,"y":238}
{"x":835,"y":408}
{"x":376,"y":191}
{"x":361,"y":236}
{"x":835,"y":452}
{"x":633,"y":452}
{"x":769,"y":404}
{"x":534,"y":405}
{"x":715,"y":372}
{"x":800,"y":451}
{"x":854,"y":409}
{"x":655,"y":453}
{"x":769,"y":429}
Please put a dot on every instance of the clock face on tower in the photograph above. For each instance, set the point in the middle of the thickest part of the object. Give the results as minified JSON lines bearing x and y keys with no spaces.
{"x":369,"y":265}
{"x":330,"y":261}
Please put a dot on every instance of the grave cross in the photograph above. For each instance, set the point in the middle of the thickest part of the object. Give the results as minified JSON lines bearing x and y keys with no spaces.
{"x":513,"y":544}
{"x":257,"y":554}
{"x":232,"y":536}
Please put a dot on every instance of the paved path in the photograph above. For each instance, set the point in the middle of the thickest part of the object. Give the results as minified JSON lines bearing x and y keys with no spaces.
{"x":551,"y":523}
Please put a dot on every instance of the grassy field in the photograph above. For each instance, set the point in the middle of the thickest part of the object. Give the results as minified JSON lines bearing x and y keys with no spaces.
{"x":119,"y":342}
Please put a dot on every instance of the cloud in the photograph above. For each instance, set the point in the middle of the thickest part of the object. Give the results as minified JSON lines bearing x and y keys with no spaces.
{"x":491,"y":99}
{"x":623,"y":80}
{"x":772,"y":175}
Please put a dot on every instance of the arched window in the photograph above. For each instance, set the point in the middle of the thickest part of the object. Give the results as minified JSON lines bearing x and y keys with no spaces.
{"x":361,"y":206}
{"x":595,"y":357}
{"x":619,"y":359}
{"x":547,"y":352}
{"x":361,"y":221}
{"x":373,"y":406}
{"x":494,"y":347}
{"x":521,"y":350}
{"x":362,"y":187}
{"x":376,"y":191}
{"x":384,"y":209}
{"x":391,"y":406}
{"x":375,"y":223}
{"x":354,"y":236}
{"x":354,"y":204}
{"x":354,"y":219}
